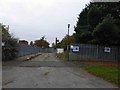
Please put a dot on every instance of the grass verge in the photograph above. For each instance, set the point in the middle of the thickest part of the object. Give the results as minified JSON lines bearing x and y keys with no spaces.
{"x":62,"y":56}
{"x":108,"y":73}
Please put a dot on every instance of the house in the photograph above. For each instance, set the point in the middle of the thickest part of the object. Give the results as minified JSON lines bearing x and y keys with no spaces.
{"x":23,"y":42}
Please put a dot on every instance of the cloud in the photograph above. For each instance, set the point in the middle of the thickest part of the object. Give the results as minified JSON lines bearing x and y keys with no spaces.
{"x":31,"y":19}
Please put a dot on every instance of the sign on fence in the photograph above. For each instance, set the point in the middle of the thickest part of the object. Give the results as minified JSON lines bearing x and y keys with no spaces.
{"x":107,"y":49}
{"x":75,"y":49}
{"x":60,"y":50}
{"x":94,"y":52}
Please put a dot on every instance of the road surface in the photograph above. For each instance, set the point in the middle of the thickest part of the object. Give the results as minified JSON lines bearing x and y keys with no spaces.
{"x":45,"y":71}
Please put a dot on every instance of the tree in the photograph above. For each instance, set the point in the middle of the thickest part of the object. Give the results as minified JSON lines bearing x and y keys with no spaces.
{"x":91,"y":18}
{"x":31,"y":43}
{"x":86,"y":37}
{"x":5,"y":33}
{"x":82,"y":22}
{"x":9,"y":50}
{"x":82,"y":28}
{"x":42,"y":43}
{"x":67,"y":40}
{"x":53,"y":45}
{"x":94,"y":16}
{"x":107,"y":33}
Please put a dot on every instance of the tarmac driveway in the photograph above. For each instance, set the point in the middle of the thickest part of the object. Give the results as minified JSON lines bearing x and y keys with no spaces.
{"x":45,"y":71}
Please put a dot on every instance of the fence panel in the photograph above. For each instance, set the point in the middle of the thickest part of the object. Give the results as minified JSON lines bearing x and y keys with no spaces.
{"x":112,"y":55}
{"x":95,"y":52}
{"x":27,"y":49}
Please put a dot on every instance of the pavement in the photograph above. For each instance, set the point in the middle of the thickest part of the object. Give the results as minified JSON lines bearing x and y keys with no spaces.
{"x":46,"y":71}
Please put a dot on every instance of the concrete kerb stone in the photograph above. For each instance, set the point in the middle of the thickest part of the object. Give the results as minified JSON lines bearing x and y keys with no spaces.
{"x":32,"y":56}
{"x":28,"y":57}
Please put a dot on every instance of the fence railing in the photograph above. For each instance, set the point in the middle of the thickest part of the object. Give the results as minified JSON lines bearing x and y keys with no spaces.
{"x":94,"y":52}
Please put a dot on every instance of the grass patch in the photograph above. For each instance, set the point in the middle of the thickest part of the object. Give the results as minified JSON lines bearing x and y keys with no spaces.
{"x":108,"y":73}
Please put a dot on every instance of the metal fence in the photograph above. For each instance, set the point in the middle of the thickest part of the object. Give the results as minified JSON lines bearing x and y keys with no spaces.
{"x":94,"y":52}
{"x":27,"y":49}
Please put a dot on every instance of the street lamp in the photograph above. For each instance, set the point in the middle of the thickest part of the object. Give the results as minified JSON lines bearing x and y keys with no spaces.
{"x":68,"y":28}
{"x":68,"y":41}
{"x":3,"y":44}
{"x":3,"y":54}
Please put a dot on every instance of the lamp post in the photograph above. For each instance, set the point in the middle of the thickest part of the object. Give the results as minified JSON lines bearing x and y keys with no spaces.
{"x":68,"y":41}
{"x":3,"y":54}
{"x":68,"y":28}
{"x":3,"y":44}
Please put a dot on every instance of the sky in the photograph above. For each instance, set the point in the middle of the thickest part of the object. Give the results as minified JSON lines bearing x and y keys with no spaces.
{"x":31,"y":19}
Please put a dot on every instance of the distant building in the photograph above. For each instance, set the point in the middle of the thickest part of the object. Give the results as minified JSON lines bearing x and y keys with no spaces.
{"x":23,"y":42}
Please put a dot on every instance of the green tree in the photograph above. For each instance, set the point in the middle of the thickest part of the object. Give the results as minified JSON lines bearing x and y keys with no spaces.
{"x":83,"y":28}
{"x":94,"y":16}
{"x":86,"y":37}
{"x":107,"y":33}
{"x":82,"y":23}
{"x":9,"y":50}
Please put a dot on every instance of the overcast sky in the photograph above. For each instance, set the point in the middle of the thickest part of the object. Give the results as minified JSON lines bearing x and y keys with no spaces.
{"x":32,"y":19}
